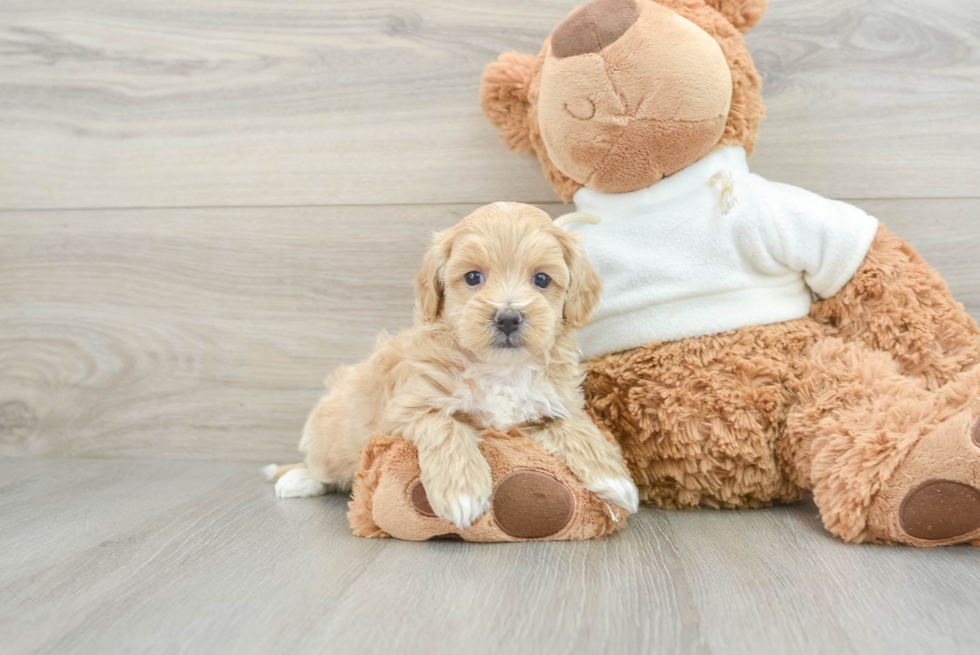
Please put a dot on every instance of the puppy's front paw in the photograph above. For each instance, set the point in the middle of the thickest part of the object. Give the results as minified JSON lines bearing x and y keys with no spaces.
{"x":460,"y":497}
{"x":463,"y":510}
{"x":618,"y":491}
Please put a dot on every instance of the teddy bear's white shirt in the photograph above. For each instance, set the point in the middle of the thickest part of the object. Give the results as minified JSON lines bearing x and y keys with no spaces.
{"x":713,"y":248}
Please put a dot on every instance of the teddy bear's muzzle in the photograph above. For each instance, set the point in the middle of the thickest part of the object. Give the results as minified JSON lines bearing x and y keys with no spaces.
{"x":593,"y":27}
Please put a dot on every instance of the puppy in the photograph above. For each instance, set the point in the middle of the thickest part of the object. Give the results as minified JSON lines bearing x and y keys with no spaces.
{"x":497,"y":299}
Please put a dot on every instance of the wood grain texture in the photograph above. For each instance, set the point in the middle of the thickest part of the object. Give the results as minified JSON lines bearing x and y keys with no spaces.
{"x":199,"y":557}
{"x":206,"y":333}
{"x":328,"y":136}
{"x":134,"y":103}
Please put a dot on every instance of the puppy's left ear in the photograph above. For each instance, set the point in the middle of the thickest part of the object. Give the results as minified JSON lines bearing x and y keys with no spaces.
{"x":428,"y":281}
{"x":585,"y":286}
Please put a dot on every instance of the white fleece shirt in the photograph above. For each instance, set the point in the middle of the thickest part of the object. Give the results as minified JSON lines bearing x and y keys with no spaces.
{"x":687,"y":258}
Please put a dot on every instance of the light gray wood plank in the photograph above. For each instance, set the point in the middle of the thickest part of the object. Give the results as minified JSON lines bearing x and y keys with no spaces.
{"x":221,"y":566}
{"x":864,"y":96}
{"x":133,"y":103}
{"x":207,"y":333}
{"x":237,"y":313}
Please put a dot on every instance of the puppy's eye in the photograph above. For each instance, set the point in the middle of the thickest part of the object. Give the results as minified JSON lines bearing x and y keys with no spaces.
{"x":473,"y":278}
{"x":541,"y":281}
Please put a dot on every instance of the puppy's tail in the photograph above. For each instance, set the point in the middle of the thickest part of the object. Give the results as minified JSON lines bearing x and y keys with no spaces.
{"x":273,"y":472}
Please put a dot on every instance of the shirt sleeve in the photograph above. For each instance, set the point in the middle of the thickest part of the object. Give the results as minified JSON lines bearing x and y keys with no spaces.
{"x":826,"y":240}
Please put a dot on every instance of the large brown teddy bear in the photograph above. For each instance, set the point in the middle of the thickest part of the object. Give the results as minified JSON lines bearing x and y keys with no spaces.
{"x":725,"y":381}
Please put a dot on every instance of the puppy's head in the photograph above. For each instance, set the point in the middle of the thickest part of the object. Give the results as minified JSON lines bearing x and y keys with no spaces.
{"x":507,"y":281}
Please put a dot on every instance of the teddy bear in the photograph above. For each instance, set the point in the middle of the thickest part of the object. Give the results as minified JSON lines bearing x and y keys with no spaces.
{"x":755,"y":342}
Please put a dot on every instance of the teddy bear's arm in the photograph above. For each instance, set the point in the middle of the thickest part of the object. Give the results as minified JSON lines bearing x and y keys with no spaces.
{"x":898,"y":304}
{"x":824,"y":239}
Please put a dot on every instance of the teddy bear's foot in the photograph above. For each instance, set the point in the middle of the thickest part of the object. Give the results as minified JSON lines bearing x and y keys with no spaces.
{"x":933,"y":497}
{"x":527,"y":504}
{"x":535,"y":497}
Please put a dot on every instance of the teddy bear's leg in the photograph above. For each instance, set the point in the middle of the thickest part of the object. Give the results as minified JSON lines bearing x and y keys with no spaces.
{"x":898,"y":304}
{"x":889,"y":459}
{"x":535,"y":497}
{"x":699,"y":420}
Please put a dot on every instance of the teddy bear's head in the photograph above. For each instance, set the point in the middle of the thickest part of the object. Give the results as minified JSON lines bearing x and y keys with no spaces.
{"x":625,"y":92}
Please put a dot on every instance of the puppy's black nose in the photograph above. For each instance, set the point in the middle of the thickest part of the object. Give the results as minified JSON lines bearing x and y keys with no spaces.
{"x":508,"y":321}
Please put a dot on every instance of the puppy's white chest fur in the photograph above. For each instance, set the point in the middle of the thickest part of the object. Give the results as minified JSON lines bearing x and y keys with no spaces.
{"x":504,"y":396}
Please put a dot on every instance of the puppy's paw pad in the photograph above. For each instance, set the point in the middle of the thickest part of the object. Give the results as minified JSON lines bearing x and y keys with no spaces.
{"x":299,"y":484}
{"x":618,"y":491}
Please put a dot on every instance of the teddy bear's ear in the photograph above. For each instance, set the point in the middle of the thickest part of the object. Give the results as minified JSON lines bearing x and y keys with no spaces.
{"x":504,"y":97}
{"x":743,"y":14}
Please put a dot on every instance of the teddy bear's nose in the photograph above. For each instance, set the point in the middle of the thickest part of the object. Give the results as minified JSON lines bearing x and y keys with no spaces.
{"x":593,"y":27}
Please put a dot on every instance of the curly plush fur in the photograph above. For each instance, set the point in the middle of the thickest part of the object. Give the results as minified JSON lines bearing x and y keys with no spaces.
{"x":832,"y":403}
{"x":872,"y":402}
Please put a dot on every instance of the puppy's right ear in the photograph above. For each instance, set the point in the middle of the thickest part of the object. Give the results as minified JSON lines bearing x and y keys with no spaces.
{"x":428,"y":282}
{"x":504,"y":93}
{"x":585,"y":285}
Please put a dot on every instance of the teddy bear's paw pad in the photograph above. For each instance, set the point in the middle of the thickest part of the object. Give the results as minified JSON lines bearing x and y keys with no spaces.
{"x":420,"y":501}
{"x":532,"y":505}
{"x":932,"y":498}
{"x":449,"y":536}
{"x":939,"y":510}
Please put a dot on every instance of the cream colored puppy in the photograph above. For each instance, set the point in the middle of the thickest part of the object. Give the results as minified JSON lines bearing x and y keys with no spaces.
{"x":498,"y":296}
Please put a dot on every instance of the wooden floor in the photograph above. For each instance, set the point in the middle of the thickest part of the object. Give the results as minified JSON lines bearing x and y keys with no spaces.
{"x":199,"y":557}
{"x":207,"y":206}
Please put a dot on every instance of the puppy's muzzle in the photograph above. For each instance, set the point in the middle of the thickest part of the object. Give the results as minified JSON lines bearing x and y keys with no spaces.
{"x":508,"y":321}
